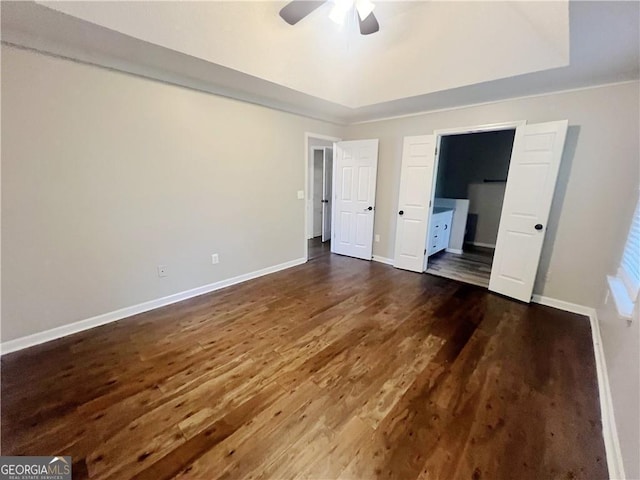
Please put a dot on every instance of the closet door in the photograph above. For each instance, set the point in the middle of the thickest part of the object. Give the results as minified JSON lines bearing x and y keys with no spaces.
{"x":416,"y":191}
{"x":535,"y":161}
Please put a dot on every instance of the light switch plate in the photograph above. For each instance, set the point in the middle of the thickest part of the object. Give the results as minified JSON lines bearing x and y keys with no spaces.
{"x":300,"y":194}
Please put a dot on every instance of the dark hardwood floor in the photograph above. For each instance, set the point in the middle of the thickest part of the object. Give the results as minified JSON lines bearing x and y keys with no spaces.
{"x":338,"y":368}
{"x":318,"y":248}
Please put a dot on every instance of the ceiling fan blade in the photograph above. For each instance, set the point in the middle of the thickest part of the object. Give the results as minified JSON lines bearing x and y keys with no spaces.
{"x":296,"y":10}
{"x":369,"y":25}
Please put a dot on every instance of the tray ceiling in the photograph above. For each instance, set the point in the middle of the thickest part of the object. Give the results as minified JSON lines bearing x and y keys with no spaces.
{"x":425,"y":53}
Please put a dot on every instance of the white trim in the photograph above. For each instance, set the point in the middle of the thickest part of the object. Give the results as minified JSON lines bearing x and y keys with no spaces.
{"x":491,"y":102}
{"x":609,"y":429}
{"x":485,"y":245}
{"x":64,"y":330}
{"x":621,"y":299}
{"x":562,"y":305}
{"x":307,"y":136}
{"x":309,"y":195}
{"x":457,"y":251}
{"x":385,"y":260}
{"x":491,"y":127}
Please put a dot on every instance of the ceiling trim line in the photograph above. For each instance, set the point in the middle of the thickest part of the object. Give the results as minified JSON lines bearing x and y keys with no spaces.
{"x":493,"y":102}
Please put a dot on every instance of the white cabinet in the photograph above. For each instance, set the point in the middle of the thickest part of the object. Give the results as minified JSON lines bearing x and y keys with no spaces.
{"x":439,"y":230}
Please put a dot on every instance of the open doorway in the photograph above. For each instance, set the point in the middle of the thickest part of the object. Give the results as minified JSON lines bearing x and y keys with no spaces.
{"x":318,"y":194}
{"x":321,"y":184}
{"x":533,"y":168}
{"x":469,"y":192}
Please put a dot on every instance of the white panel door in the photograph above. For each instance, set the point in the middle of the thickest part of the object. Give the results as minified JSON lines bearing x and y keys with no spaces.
{"x":327,"y":181}
{"x":355,"y":167}
{"x":416,"y":189}
{"x":537,"y":151}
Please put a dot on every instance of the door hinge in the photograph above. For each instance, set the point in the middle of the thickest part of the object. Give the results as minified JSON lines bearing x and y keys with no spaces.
{"x":425,"y":251}
{"x":429,"y":202}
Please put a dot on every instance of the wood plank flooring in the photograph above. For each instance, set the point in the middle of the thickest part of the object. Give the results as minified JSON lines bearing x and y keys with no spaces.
{"x":473,"y":265}
{"x":318,"y":248}
{"x":338,"y":368}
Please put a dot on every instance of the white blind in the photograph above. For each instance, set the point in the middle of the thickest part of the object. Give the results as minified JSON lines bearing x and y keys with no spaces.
{"x":630,"y":264}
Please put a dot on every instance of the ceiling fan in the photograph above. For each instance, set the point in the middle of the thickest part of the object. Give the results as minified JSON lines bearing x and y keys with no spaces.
{"x":296,"y":10}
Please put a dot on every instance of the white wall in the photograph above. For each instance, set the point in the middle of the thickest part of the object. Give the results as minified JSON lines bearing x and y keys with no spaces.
{"x":600,"y":163}
{"x":105,"y":176}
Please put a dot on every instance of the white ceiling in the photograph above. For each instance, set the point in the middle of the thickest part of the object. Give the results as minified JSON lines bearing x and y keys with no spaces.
{"x":427,"y":55}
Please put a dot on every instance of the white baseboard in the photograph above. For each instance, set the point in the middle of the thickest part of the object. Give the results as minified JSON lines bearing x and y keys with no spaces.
{"x":454,"y":250}
{"x":385,"y":260}
{"x":64,"y":330}
{"x":609,"y":429}
{"x":562,"y":305}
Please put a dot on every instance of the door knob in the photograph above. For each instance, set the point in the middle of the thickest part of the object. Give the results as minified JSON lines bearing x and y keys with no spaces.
{"x":370,"y":208}
{"x":538,"y":226}
{"x":401,"y":212}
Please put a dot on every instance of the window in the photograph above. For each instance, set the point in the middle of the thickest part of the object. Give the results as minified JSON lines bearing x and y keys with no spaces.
{"x":625,"y":285}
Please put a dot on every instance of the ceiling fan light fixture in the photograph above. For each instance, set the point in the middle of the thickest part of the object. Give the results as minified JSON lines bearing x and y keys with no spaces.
{"x":356,"y":11}
{"x":339,"y":11}
{"x":365,"y":8}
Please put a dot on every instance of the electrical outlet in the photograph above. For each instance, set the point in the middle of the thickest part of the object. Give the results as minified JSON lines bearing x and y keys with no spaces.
{"x":163,"y":271}
{"x":376,"y":238}
{"x":215,"y":259}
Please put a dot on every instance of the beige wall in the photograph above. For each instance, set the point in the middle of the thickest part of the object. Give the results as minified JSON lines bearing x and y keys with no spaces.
{"x":621,"y":346}
{"x":105,"y":176}
{"x":485,"y":201}
{"x":600,"y":168}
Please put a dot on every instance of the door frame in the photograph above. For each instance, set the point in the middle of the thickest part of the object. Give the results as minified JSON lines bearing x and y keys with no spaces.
{"x":307,"y":149}
{"x":445,"y":132}
{"x":309,"y":196}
